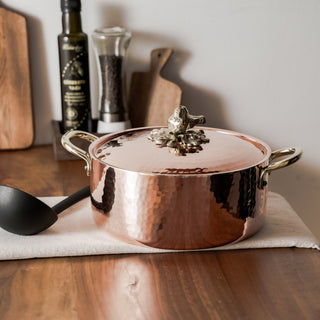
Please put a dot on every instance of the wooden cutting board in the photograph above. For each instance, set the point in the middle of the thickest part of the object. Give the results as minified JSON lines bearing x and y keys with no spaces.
{"x":152,"y":98}
{"x":16,"y":120}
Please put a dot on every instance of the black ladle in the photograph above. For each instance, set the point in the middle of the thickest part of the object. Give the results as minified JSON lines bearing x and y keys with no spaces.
{"x":24,"y":214}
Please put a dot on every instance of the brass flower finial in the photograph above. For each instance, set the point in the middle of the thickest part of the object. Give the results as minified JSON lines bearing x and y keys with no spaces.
{"x":178,"y":136}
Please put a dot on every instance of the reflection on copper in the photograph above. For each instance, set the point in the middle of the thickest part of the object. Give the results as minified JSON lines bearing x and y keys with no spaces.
{"x":177,"y":212}
{"x":107,"y":200}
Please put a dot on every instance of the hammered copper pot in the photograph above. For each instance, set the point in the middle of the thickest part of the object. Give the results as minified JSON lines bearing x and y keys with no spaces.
{"x":161,"y":195}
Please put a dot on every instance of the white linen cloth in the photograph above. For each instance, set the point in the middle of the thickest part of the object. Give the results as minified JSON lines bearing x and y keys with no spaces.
{"x":75,"y":234}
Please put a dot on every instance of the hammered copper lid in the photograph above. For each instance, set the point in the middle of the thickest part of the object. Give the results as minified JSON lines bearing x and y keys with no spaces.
{"x":226,"y":152}
{"x":222,"y":151}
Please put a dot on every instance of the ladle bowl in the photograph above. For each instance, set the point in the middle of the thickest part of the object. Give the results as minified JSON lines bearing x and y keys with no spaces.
{"x":24,"y":214}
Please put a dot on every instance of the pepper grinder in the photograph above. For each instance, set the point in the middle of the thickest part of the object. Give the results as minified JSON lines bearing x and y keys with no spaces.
{"x":110,"y":45}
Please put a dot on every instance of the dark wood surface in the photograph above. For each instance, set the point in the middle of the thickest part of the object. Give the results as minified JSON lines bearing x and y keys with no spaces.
{"x":240,"y":284}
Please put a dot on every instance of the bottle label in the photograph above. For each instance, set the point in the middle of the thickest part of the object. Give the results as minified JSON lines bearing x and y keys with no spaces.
{"x":75,"y":89}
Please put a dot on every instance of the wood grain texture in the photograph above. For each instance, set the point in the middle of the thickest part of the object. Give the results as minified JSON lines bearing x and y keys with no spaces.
{"x":16,"y":119}
{"x":152,"y":98}
{"x":240,"y":284}
{"x":35,"y":171}
{"x":250,"y":284}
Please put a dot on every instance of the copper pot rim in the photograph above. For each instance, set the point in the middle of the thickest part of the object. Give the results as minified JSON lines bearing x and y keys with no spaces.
{"x":256,"y":141}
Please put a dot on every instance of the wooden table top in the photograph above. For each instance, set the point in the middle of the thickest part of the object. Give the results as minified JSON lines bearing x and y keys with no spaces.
{"x":281,"y":283}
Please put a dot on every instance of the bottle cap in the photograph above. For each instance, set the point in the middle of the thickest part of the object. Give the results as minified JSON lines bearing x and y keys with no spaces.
{"x":70,"y":5}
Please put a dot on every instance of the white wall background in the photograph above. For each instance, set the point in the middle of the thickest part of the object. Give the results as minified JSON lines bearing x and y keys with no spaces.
{"x":250,"y":65}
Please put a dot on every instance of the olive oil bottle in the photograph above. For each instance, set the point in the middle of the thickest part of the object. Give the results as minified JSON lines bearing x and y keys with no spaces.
{"x":74,"y":69}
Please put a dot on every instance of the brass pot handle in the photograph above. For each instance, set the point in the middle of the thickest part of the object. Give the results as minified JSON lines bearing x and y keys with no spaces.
{"x":69,"y":146}
{"x":293,"y":153}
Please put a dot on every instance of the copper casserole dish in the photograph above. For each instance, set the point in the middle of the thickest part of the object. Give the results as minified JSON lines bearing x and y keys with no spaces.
{"x":177,"y":188}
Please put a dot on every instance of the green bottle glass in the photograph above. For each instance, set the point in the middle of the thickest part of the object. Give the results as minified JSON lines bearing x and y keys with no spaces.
{"x":74,"y":69}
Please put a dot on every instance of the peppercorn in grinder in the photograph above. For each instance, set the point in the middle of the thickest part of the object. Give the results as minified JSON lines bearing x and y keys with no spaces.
{"x":111,"y":46}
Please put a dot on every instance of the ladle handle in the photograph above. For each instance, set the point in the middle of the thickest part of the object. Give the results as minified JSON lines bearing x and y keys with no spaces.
{"x":71,"y":200}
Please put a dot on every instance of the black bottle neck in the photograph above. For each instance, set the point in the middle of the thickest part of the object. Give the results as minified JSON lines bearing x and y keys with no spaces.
{"x":71,"y":22}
